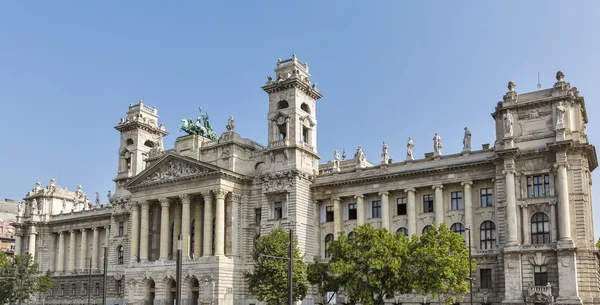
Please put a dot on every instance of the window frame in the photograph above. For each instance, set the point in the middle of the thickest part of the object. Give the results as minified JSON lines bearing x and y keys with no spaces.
{"x":85,"y":289}
{"x":537,"y":221}
{"x":376,"y":207}
{"x":121,"y":228}
{"x":257,"y":216}
{"x":540,"y":276}
{"x":488,"y":194}
{"x":328,"y":238}
{"x":352,"y":207}
{"x":459,"y":228}
{"x":73,"y":290}
{"x":485,"y":278}
{"x":329,"y":213}
{"x":118,"y":287}
{"x":538,"y":186}
{"x":120,"y":255}
{"x":426,"y":229}
{"x":278,"y":207}
{"x":402,"y":206}
{"x":402,"y":230}
{"x":487,"y":232}
{"x":97,"y":289}
{"x":456,"y":201}
{"x":428,"y":203}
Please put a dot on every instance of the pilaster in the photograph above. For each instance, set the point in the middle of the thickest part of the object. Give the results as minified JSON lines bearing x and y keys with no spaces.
{"x":83,"y":250}
{"x":439,"y":204}
{"x":220,"y":222}
{"x":385,"y":210}
{"x":164,"y":228}
{"x":72,"y":244}
{"x":135,"y":232}
{"x":337,"y":216}
{"x":208,"y":223}
{"x":144,"y":230}
{"x":411,"y":210}
{"x":60,"y":258}
{"x":360,"y":209}
{"x":468,"y":198}
{"x":95,"y":236}
{"x":185,"y":225}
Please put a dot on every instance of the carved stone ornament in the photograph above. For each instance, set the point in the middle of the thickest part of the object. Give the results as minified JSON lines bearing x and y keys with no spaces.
{"x":511,"y":95}
{"x":173,"y":170}
{"x":540,"y":294}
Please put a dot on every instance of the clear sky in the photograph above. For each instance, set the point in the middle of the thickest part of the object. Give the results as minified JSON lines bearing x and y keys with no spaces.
{"x":387,"y":69}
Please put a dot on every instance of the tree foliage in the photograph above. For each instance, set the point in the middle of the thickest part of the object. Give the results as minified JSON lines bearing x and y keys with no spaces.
{"x":268,"y":281}
{"x":375,"y":265}
{"x":20,"y":278}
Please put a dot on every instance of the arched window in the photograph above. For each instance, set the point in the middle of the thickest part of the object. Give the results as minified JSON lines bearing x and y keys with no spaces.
{"x":282,"y":104}
{"x":426,"y":229}
{"x":351,"y":234}
{"x":487,"y":235}
{"x":458,"y":228}
{"x":129,"y":142}
{"x":149,"y":143}
{"x":120,"y":255}
{"x":540,"y":229}
{"x":151,"y":293}
{"x":328,"y":239}
{"x":305,"y":107}
{"x":403,"y":230}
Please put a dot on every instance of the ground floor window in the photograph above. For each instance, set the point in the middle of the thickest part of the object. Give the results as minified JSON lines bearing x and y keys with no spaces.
{"x":540,"y":275}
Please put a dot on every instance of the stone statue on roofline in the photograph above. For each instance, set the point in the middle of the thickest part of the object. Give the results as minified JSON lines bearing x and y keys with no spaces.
{"x":360,"y":158}
{"x":336,"y":161}
{"x":201,"y":127}
{"x":508,"y":123}
{"x":385,"y":157}
{"x":409,"y":148}
{"x":560,"y":115}
{"x":467,"y":140}
{"x":437,"y":145}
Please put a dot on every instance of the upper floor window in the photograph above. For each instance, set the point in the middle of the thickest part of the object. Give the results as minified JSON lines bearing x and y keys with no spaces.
{"x":73,"y":289}
{"x":538,"y":186}
{"x":458,"y":228}
{"x":329,"y":213}
{"x":278,"y":210}
{"x":540,"y":275}
{"x":426,"y":229}
{"x":401,"y":206}
{"x":487,"y":233}
{"x":456,"y":201}
{"x":485,"y":277}
{"x":257,"y":216}
{"x":118,"y":287}
{"x":403,"y":230}
{"x":305,"y":107}
{"x":376,"y":209}
{"x":427,"y":203}
{"x":85,"y":289}
{"x":540,"y":229}
{"x":120,"y":255}
{"x":282,"y":104}
{"x":121,"y":228}
{"x":97,"y":289}
{"x":62,"y":290}
{"x":328,"y":239}
{"x":352,"y":211}
{"x":486,"y":197}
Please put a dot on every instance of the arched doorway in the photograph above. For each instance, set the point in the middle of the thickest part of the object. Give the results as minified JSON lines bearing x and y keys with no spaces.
{"x":171,"y":291}
{"x":150,"y":292}
{"x":194,"y":292}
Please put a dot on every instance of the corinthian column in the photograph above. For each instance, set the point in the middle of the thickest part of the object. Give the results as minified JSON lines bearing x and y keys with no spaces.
{"x":208,"y":223}
{"x":439,"y":204}
{"x":185,"y":225}
{"x":564,"y":228}
{"x":337,"y":216}
{"x":60,"y":258}
{"x":32,"y":245}
{"x":72,"y":250}
{"x":411,"y":210}
{"x":164,"y":228}
{"x":144,"y":231}
{"x":197,"y":229}
{"x":220,"y":222}
{"x":468,"y":204}
{"x":135,"y":231}
{"x":18,"y":241}
{"x":360,"y":209}
{"x":385,"y":210}
{"x":511,"y":207}
{"x":95,"y":241}
{"x":83,"y":252}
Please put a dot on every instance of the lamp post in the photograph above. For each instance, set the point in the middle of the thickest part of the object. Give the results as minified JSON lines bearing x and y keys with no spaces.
{"x":104,"y":276}
{"x":470,"y":268}
{"x":290,"y":260}
{"x":178,"y":271}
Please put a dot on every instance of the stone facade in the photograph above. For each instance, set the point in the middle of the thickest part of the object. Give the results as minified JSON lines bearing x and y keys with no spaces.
{"x":526,"y":200}
{"x":8,"y":217}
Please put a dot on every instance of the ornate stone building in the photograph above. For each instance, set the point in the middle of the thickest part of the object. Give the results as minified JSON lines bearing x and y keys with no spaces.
{"x":8,"y":217}
{"x":526,"y":200}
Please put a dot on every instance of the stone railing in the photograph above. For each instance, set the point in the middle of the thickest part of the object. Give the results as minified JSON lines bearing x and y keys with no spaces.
{"x":540,"y":294}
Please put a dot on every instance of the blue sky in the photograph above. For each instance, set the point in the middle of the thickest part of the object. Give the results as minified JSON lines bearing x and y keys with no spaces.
{"x":387,"y":69}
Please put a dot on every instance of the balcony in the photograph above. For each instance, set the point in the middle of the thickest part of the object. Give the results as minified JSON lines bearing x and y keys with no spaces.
{"x":540,"y":294}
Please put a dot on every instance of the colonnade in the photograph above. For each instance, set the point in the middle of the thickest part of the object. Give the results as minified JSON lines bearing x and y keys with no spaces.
{"x":140,"y":226}
{"x":83,"y":250}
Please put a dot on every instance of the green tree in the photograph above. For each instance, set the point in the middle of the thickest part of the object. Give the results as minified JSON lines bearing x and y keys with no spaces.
{"x":268,"y":280}
{"x":20,"y":278}
{"x":439,"y":263}
{"x":318,"y":274}
{"x":371,"y":265}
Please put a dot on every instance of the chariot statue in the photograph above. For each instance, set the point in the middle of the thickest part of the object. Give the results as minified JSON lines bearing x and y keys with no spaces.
{"x":201,"y":127}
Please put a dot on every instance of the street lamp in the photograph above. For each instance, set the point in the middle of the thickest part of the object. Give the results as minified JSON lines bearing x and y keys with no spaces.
{"x":178,"y":271}
{"x":470,"y":267}
{"x":290,"y":260}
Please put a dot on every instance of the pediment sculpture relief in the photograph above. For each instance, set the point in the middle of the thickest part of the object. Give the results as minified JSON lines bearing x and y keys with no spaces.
{"x":174,"y":169}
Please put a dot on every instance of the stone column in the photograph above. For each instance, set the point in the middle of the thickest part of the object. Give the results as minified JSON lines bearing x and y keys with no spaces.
{"x":95,"y":237}
{"x":439,"y":204}
{"x":135,"y":231}
{"x":360,"y":209}
{"x":144,"y":231}
{"x":468,"y":200}
{"x":553,"y":234}
{"x":208,"y":223}
{"x":197,"y":229}
{"x":385,"y":210}
{"x":18,"y":242}
{"x":525,"y":224}
{"x":562,"y":183}
{"x":185,"y":226}
{"x":337,"y":216}
{"x":107,"y":236}
{"x":412,"y":211}
{"x":60,"y":257}
{"x":83,"y":251}
{"x":511,"y":207}
{"x":72,"y":239}
{"x":176,"y":227}
{"x":164,"y":229}
{"x":220,"y":222}
{"x":32,"y":245}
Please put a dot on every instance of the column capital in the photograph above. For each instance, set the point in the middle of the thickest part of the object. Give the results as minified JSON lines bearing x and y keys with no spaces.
{"x":206,"y":194}
{"x":508,"y":171}
{"x":561,"y":163}
{"x":95,"y":229}
{"x":72,"y":231}
{"x":410,"y":189}
{"x":59,"y":233}
{"x":436,"y":186}
{"x":82,"y":230}
{"x":386,"y":193}
{"x":236,"y":196}
{"x":134,"y":203}
{"x":359,"y":196}
{"x":33,"y":233}
{"x":164,"y":201}
{"x":220,"y":193}
{"x":465,"y":183}
{"x":338,"y":199}
{"x":185,"y":198}
{"x":145,"y":204}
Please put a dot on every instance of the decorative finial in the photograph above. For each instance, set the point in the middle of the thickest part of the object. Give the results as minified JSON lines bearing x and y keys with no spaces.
{"x":511,"y":86}
{"x":343,"y":154}
{"x":560,"y":76}
{"x":278,"y":61}
{"x":294,"y":57}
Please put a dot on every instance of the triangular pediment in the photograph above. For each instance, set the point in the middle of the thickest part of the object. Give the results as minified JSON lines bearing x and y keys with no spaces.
{"x":171,"y":167}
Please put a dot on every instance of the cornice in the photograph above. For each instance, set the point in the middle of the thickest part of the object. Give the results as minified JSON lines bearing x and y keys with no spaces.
{"x":139,"y":125}
{"x":292,"y":83}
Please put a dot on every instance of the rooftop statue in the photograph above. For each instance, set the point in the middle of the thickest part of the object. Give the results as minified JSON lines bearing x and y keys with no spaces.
{"x":201,"y":127}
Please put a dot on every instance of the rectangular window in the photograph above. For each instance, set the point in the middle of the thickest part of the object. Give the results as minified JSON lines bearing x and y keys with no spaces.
{"x":540,"y":275}
{"x":73,"y":289}
{"x":257,"y":216}
{"x":97,"y":288}
{"x":486,"y":197}
{"x":401,"y":206}
{"x":485,"y":276}
{"x":121,"y":228}
{"x":62,"y":290}
{"x":278,"y":210}
{"x":376,"y":209}
{"x":118,"y":287}
{"x":351,"y":211}
{"x":456,"y":201}
{"x":51,"y":292}
{"x":329,"y":213}
{"x":427,"y":203}
{"x":85,"y":291}
{"x":538,"y":186}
